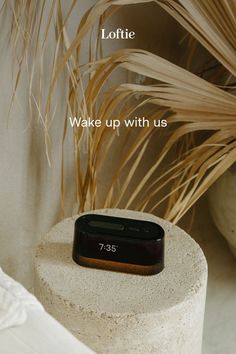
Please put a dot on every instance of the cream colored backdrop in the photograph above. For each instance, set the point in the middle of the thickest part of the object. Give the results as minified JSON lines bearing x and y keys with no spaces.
{"x":29,"y":189}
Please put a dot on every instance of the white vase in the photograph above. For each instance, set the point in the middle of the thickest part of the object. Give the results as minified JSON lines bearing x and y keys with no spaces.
{"x":222,"y":198}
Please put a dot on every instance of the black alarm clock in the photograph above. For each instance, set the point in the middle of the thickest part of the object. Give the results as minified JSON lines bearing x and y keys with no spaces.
{"x":119,"y":244}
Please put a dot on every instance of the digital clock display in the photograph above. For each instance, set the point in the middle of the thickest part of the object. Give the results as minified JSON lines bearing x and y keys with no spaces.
{"x":126,"y":250}
{"x":108,"y":247}
{"x":113,"y":240}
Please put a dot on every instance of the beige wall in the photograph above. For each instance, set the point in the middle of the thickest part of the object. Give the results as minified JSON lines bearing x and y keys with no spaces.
{"x":29,"y":189}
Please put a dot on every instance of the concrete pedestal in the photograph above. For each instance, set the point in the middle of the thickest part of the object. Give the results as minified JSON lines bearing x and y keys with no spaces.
{"x":120,"y":313}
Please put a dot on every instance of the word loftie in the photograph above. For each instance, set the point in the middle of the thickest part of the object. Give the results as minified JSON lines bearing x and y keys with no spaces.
{"x":118,"y":34}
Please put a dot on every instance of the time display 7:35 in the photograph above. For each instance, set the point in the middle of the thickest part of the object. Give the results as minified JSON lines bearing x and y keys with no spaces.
{"x":108,"y":247}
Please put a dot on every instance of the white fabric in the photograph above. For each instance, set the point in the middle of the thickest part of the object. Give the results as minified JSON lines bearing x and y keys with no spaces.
{"x":14,"y":302}
{"x":26,"y":328}
{"x":40,"y":334}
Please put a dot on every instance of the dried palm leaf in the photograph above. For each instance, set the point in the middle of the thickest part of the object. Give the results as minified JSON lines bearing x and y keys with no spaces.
{"x":199,"y":112}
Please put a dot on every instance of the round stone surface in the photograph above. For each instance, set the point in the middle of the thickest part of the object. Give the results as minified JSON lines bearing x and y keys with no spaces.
{"x":107,"y":292}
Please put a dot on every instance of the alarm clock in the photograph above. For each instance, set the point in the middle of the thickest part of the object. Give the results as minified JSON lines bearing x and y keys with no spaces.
{"x":119,"y":244}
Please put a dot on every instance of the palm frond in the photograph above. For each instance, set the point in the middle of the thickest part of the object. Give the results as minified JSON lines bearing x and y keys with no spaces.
{"x":198,"y":111}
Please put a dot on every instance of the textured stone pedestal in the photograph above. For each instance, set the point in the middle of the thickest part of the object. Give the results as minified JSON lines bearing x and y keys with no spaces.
{"x":120,"y":313}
